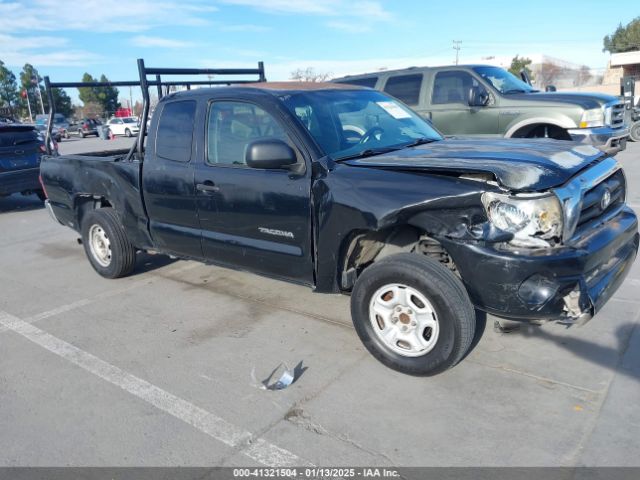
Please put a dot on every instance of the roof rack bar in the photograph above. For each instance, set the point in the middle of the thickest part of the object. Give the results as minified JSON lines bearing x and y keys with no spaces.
{"x":145,"y":112}
{"x":52,"y":111}
{"x":205,"y":71}
{"x":132,"y":83}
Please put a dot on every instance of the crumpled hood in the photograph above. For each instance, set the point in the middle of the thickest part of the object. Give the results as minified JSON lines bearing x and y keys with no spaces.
{"x":517,"y":164}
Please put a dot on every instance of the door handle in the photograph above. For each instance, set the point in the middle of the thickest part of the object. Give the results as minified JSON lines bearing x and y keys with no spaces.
{"x":207,"y":187}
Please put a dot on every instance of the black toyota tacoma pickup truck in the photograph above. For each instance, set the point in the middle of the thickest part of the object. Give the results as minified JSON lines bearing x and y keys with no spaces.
{"x":345,"y":189}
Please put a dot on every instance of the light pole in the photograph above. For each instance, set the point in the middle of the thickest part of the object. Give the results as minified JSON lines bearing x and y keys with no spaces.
{"x":456,"y":47}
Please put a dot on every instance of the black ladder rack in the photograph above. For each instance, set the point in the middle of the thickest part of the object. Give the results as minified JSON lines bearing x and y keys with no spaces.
{"x":145,"y":83}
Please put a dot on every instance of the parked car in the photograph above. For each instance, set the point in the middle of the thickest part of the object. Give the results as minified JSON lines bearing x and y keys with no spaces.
{"x":124,"y":126}
{"x":347,"y":190}
{"x":56,"y":133}
{"x":21,"y":148}
{"x":84,"y":127}
{"x":488,"y":101}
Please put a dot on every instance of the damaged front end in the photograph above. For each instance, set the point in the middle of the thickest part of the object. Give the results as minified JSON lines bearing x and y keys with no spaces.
{"x":556,"y":255}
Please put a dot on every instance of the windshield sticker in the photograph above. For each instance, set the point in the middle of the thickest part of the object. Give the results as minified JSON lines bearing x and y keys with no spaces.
{"x":393,"y":109}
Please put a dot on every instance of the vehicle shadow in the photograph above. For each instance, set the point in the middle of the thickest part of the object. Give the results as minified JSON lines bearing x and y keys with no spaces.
{"x":147,"y":263}
{"x":18,"y":202}
{"x":611,"y":358}
{"x":481,"y":325}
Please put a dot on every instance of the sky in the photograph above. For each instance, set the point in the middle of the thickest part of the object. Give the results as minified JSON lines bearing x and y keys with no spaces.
{"x":64,"y":39}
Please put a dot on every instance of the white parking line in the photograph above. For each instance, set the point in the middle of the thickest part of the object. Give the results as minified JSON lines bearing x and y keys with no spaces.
{"x":87,"y":301}
{"x":255,"y":448}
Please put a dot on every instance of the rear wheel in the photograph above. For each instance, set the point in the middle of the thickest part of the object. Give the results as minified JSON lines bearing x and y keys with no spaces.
{"x":106,"y":244}
{"x":413,"y":314}
{"x":81,"y":133}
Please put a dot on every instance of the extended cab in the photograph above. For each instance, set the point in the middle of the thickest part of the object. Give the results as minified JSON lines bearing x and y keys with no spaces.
{"x":488,"y":101}
{"x":345,"y":189}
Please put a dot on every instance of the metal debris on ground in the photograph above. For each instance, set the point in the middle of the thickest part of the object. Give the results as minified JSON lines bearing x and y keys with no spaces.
{"x":281,"y":377}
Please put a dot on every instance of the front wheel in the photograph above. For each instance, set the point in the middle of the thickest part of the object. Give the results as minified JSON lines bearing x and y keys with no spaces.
{"x":127,"y":132}
{"x":106,"y":244}
{"x":413,"y":314}
{"x":634,"y":132}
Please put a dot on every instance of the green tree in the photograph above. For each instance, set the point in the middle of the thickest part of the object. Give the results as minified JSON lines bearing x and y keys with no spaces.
{"x":624,"y":39}
{"x":31,"y":82}
{"x":108,"y":97}
{"x":62,"y":102}
{"x":88,"y":94}
{"x":520,"y":63}
{"x":105,"y":97}
{"x":9,"y":95}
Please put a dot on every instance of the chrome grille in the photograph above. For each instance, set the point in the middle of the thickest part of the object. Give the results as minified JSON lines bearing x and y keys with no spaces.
{"x":614,"y":115}
{"x":581,"y":196}
{"x":592,"y":201}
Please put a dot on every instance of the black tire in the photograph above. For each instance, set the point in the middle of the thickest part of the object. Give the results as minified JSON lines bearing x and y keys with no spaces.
{"x":127,"y":132}
{"x":122,"y":253}
{"x":81,"y":134}
{"x":634,"y":131}
{"x":41,"y":195}
{"x":455,"y":313}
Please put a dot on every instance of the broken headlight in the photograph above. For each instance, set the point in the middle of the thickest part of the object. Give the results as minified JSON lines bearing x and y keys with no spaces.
{"x":533,"y":220}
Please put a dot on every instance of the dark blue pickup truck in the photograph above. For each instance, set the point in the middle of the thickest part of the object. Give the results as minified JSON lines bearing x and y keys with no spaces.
{"x":21,"y":147}
{"x":345,"y":189}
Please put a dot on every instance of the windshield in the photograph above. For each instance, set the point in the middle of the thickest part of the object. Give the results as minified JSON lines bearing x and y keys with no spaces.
{"x":348,"y":123}
{"x":503,"y":81}
{"x":129,"y":120}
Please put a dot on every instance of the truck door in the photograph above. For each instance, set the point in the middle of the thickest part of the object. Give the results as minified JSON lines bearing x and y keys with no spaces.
{"x":259,"y":219}
{"x":167,"y":178}
{"x":450,"y":110}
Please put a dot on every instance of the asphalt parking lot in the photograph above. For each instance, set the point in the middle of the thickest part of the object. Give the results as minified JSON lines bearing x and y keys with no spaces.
{"x":163,"y":368}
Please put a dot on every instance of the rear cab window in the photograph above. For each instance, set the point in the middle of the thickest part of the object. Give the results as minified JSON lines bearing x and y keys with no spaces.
{"x":12,"y":137}
{"x":369,"y":82}
{"x":405,"y":88}
{"x":174,"y":138}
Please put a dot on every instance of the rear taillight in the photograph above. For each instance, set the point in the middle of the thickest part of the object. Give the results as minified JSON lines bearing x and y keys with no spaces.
{"x":42,"y":148}
{"x":42,"y":185}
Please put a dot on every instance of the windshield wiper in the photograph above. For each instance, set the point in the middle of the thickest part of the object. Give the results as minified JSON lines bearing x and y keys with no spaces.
{"x":370,"y":152}
{"x":515,"y":90}
{"x":419,"y":141}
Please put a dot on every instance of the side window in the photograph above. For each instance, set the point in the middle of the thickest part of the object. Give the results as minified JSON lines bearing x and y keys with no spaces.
{"x":175,"y":131}
{"x":405,"y":88}
{"x":452,"y":87}
{"x":231,"y":126}
{"x":369,"y":82}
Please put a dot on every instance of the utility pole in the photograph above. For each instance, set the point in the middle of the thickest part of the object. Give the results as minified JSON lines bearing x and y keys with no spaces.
{"x":456,"y":47}
{"x":131,"y":103}
{"x":26,"y":91}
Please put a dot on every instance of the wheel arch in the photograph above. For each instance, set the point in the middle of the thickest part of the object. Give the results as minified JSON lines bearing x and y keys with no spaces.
{"x":363,"y":248}
{"x":514,"y":130}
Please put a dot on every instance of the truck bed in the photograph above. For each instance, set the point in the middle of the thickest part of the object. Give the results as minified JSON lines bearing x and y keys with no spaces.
{"x":75,"y":180}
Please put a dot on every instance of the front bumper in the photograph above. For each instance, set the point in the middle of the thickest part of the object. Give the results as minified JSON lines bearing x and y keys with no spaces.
{"x":18,"y":181}
{"x":536,"y":285}
{"x":609,"y":140}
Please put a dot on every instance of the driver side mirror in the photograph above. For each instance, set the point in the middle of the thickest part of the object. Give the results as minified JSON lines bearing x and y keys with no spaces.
{"x":478,"y":97}
{"x":270,"y":154}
